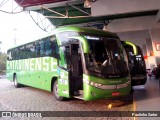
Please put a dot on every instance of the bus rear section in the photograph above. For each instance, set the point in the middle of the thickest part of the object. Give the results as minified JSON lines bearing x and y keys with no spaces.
{"x":136,"y":63}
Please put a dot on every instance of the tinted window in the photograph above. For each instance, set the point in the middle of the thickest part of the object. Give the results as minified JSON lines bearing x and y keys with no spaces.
{"x":22,"y":53}
{"x":37,"y":49}
{"x":55,"y":48}
{"x":15,"y":54}
{"x":46,"y":47}
{"x":30,"y":50}
{"x":49,"y":47}
{"x":42,"y":50}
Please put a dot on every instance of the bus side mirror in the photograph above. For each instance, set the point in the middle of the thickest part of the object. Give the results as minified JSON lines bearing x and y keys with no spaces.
{"x":8,"y":57}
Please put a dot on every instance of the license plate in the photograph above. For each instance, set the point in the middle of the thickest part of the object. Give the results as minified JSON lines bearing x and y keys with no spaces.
{"x":115,"y":93}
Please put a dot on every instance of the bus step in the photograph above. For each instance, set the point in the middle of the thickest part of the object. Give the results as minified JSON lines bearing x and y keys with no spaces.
{"x":78,"y":93}
{"x":81,"y":92}
{"x":79,"y":97}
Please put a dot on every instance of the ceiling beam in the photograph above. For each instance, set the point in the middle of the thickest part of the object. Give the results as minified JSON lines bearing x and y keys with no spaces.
{"x":53,"y":5}
{"x":115,"y":7}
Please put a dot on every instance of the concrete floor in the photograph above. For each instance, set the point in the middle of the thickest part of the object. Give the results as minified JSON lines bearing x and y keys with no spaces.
{"x":147,"y":98}
{"x":32,"y":99}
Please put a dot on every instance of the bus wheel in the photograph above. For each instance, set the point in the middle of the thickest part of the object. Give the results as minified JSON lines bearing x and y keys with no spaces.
{"x":16,"y":84}
{"x":55,"y":91}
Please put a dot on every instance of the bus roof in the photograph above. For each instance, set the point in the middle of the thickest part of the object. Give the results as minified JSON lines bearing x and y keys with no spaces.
{"x":76,"y":29}
{"x":128,"y":43}
{"x":85,"y":29}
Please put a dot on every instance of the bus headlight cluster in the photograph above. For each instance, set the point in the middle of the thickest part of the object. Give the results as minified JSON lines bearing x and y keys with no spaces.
{"x":107,"y":87}
{"x":92,"y":83}
{"x":123,"y":85}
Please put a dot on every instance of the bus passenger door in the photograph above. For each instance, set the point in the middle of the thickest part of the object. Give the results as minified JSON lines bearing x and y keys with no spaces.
{"x":63,"y":71}
{"x":70,"y":81}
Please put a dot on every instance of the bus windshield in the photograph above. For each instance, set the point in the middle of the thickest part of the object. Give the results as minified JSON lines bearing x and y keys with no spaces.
{"x":106,"y":57}
{"x":136,"y":62}
{"x":139,"y":62}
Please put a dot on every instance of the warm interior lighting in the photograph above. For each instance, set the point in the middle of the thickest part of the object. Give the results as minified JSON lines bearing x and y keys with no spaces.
{"x":87,"y":4}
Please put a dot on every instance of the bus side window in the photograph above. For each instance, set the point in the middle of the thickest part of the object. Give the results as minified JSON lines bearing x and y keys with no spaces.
{"x":42,"y":50}
{"x":27,"y":51}
{"x":37,"y":48}
{"x":66,"y":51}
{"x":15,"y":54}
{"x":54,"y":49}
{"x":32,"y":49}
{"x":21,"y":52}
{"x":47,"y":47}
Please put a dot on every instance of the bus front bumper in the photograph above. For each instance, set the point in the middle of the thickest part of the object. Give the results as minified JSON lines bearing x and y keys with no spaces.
{"x":97,"y":91}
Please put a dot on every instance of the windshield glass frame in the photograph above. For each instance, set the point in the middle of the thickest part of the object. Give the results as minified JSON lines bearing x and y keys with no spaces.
{"x":99,"y":69}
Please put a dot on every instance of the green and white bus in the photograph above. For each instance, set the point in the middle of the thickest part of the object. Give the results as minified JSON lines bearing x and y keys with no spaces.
{"x":75,"y":62}
{"x":136,"y":63}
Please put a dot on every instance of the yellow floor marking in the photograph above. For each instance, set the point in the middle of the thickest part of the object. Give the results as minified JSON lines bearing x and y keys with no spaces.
{"x":134,"y":107}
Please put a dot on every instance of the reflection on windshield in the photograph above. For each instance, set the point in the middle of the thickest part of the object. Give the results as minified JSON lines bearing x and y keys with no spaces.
{"x":106,"y":56}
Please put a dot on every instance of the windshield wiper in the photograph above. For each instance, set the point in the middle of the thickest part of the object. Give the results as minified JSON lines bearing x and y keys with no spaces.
{"x":110,"y":58}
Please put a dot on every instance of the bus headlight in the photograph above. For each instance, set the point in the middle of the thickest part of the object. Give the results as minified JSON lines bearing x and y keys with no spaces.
{"x":107,"y":87}
{"x":92,"y":83}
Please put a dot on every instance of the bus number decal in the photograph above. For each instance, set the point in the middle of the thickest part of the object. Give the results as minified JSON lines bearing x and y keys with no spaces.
{"x":63,"y":81}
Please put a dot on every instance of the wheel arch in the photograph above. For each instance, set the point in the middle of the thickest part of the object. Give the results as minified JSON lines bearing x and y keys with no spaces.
{"x":14,"y":74}
{"x":52,"y":81}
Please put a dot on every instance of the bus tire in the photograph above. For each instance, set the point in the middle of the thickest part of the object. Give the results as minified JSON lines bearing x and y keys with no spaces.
{"x":55,"y":92}
{"x":16,"y":84}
